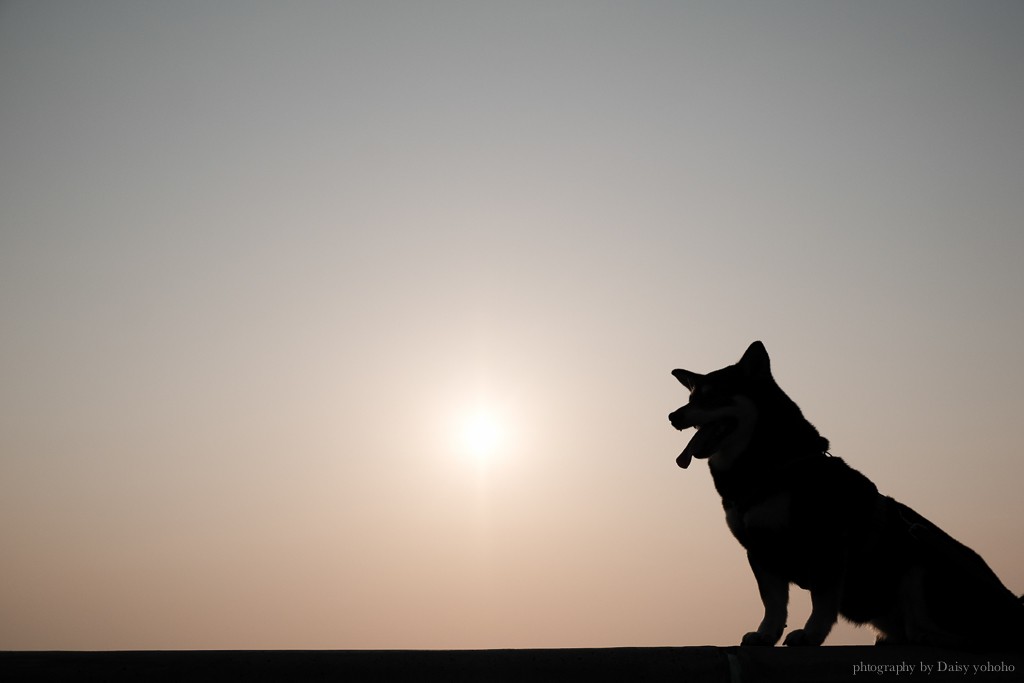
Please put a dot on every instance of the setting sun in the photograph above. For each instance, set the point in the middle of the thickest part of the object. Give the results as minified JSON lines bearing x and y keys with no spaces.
{"x":480,"y":434}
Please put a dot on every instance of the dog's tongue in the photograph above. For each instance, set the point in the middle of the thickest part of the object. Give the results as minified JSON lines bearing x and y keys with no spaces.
{"x":684,"y":458}
{"x":693,"y":448}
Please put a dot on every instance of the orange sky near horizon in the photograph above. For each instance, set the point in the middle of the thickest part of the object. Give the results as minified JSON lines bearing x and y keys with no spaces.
{"x":349,"y":325}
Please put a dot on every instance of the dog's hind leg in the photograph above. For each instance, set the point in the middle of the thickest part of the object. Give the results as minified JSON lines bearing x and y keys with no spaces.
{"x":774,"y":590}
{"x":824,"y":613}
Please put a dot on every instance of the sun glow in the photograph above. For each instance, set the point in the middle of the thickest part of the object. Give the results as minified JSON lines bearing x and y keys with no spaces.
{"x":481,"y":434}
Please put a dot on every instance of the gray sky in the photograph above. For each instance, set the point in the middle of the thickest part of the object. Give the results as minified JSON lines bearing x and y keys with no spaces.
{"x":259,"y":263}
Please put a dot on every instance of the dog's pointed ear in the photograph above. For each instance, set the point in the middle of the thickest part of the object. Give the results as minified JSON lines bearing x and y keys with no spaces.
{"x":755,"y":362}
{"x":686,"y":378}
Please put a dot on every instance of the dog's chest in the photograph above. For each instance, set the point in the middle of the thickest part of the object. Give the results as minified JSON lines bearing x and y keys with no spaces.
{"x":765,"y":518}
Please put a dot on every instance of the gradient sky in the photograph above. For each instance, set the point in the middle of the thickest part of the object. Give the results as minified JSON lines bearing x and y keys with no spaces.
{"x":260,"y":260}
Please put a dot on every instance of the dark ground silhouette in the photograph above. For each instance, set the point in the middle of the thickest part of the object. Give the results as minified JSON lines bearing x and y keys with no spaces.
{"x":687,"y":664}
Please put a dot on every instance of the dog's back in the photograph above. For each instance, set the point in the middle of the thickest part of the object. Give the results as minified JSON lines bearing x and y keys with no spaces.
{"x":946,"y":594}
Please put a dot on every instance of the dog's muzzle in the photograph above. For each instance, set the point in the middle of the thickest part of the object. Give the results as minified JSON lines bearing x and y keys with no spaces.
{"x":679,"y":419}
{"x":713,"y":426}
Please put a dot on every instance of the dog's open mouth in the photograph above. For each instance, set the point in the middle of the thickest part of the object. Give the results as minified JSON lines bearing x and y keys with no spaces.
{"x":706,"y":441}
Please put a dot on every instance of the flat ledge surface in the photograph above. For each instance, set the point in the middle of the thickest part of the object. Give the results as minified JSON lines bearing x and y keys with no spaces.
{"x":691,"y":664}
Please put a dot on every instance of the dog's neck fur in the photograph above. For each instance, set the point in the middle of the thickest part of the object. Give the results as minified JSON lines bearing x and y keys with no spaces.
{"x":769,"y":449}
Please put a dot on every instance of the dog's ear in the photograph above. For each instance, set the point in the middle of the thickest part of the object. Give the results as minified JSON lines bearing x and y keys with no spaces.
{"x":686,"y":378}
{"x":755,"y":362}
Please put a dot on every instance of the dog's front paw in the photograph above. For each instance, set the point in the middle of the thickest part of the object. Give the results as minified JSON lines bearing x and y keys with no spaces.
{"x":801,"y":638}
{"x":758,"y":639}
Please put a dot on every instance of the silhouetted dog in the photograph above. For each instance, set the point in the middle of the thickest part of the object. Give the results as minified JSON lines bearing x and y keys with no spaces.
{"x":808,"y":518}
